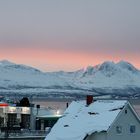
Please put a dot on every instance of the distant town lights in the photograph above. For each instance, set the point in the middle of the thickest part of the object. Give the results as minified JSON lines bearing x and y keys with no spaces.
{"x":25,"y":110}
{"x":57,"y":112}
{"x":19,"y":110}
{"x":12,"y":109}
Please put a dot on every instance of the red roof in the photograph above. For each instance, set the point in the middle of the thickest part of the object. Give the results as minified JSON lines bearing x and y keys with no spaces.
{"x":4,"y":104}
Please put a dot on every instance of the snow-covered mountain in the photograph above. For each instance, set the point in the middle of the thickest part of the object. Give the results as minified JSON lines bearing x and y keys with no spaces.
{"x":14,"y":75}
{"x":108,"y":77}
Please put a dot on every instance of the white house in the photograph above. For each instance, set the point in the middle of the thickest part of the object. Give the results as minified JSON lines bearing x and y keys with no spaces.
{"x":100,"y":120}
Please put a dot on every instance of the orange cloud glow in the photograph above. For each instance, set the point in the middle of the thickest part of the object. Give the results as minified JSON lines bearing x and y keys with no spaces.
{"x":55,"y":59}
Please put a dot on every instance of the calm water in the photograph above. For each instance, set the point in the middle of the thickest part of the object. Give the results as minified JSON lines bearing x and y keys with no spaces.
{"x":53,"y":104}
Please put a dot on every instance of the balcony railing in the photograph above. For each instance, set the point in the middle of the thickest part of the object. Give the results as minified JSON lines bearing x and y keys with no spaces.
{"x":25,"y":133}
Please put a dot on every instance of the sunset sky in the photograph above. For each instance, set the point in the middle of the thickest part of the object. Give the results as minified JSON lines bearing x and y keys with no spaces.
{"x":68,"y":35}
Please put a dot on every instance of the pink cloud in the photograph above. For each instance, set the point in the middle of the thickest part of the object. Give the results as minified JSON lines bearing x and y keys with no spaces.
{"x":58,"y":59}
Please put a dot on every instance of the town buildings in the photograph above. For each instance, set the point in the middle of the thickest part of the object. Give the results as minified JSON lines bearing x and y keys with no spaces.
{"x":13,"y":116}
{"x":25,"y":120}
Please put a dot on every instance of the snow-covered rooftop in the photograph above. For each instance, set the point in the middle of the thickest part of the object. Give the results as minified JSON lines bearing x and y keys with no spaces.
{"x":80,"y":120}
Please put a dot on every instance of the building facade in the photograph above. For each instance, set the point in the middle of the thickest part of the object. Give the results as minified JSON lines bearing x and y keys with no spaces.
{"x":13,"y":116}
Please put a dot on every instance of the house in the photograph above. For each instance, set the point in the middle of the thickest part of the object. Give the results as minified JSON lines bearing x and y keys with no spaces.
{"x":97,"y":120}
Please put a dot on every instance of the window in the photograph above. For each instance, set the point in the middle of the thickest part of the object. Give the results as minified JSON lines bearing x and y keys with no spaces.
{"x":125,"y":111}
{"x":119,"y":129}
{"x":132,"y":129}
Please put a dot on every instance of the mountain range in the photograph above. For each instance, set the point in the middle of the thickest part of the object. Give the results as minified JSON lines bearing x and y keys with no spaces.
{"x":120,"y":78}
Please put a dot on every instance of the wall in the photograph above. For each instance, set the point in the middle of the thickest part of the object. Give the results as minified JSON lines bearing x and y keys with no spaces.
{"x":125,"y":120}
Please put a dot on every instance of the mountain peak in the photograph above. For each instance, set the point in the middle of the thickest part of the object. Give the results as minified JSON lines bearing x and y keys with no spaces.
{"x":122,"y":62}
{"x":127,"y":65}
{"x":89,"y":71}
{"x":107,"y":65}
{"x":6,"y":62}
{"x":10,"y":65}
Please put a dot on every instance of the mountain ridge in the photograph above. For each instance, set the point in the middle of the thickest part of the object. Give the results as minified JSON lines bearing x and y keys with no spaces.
{"x":105,"y":77}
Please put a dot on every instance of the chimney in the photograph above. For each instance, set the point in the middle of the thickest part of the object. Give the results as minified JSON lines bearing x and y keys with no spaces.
{"x":67,"y":105}
{"x":38,"y":107}
{"x":89,"y":99}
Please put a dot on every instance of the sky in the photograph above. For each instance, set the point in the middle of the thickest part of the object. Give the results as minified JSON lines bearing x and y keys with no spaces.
{"x":54,"y":35}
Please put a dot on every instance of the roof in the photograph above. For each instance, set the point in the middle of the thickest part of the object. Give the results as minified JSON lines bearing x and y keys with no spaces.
{"x":80,"y":120}
{"x":137,"y":109}
{"x":3,"y":104}
{"x":135,"y":106}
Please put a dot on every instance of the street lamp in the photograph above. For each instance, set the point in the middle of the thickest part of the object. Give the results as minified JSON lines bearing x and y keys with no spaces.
{"x":57,"y":112}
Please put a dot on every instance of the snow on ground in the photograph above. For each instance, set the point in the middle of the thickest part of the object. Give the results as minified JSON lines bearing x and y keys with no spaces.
{"x":80,"y":120}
